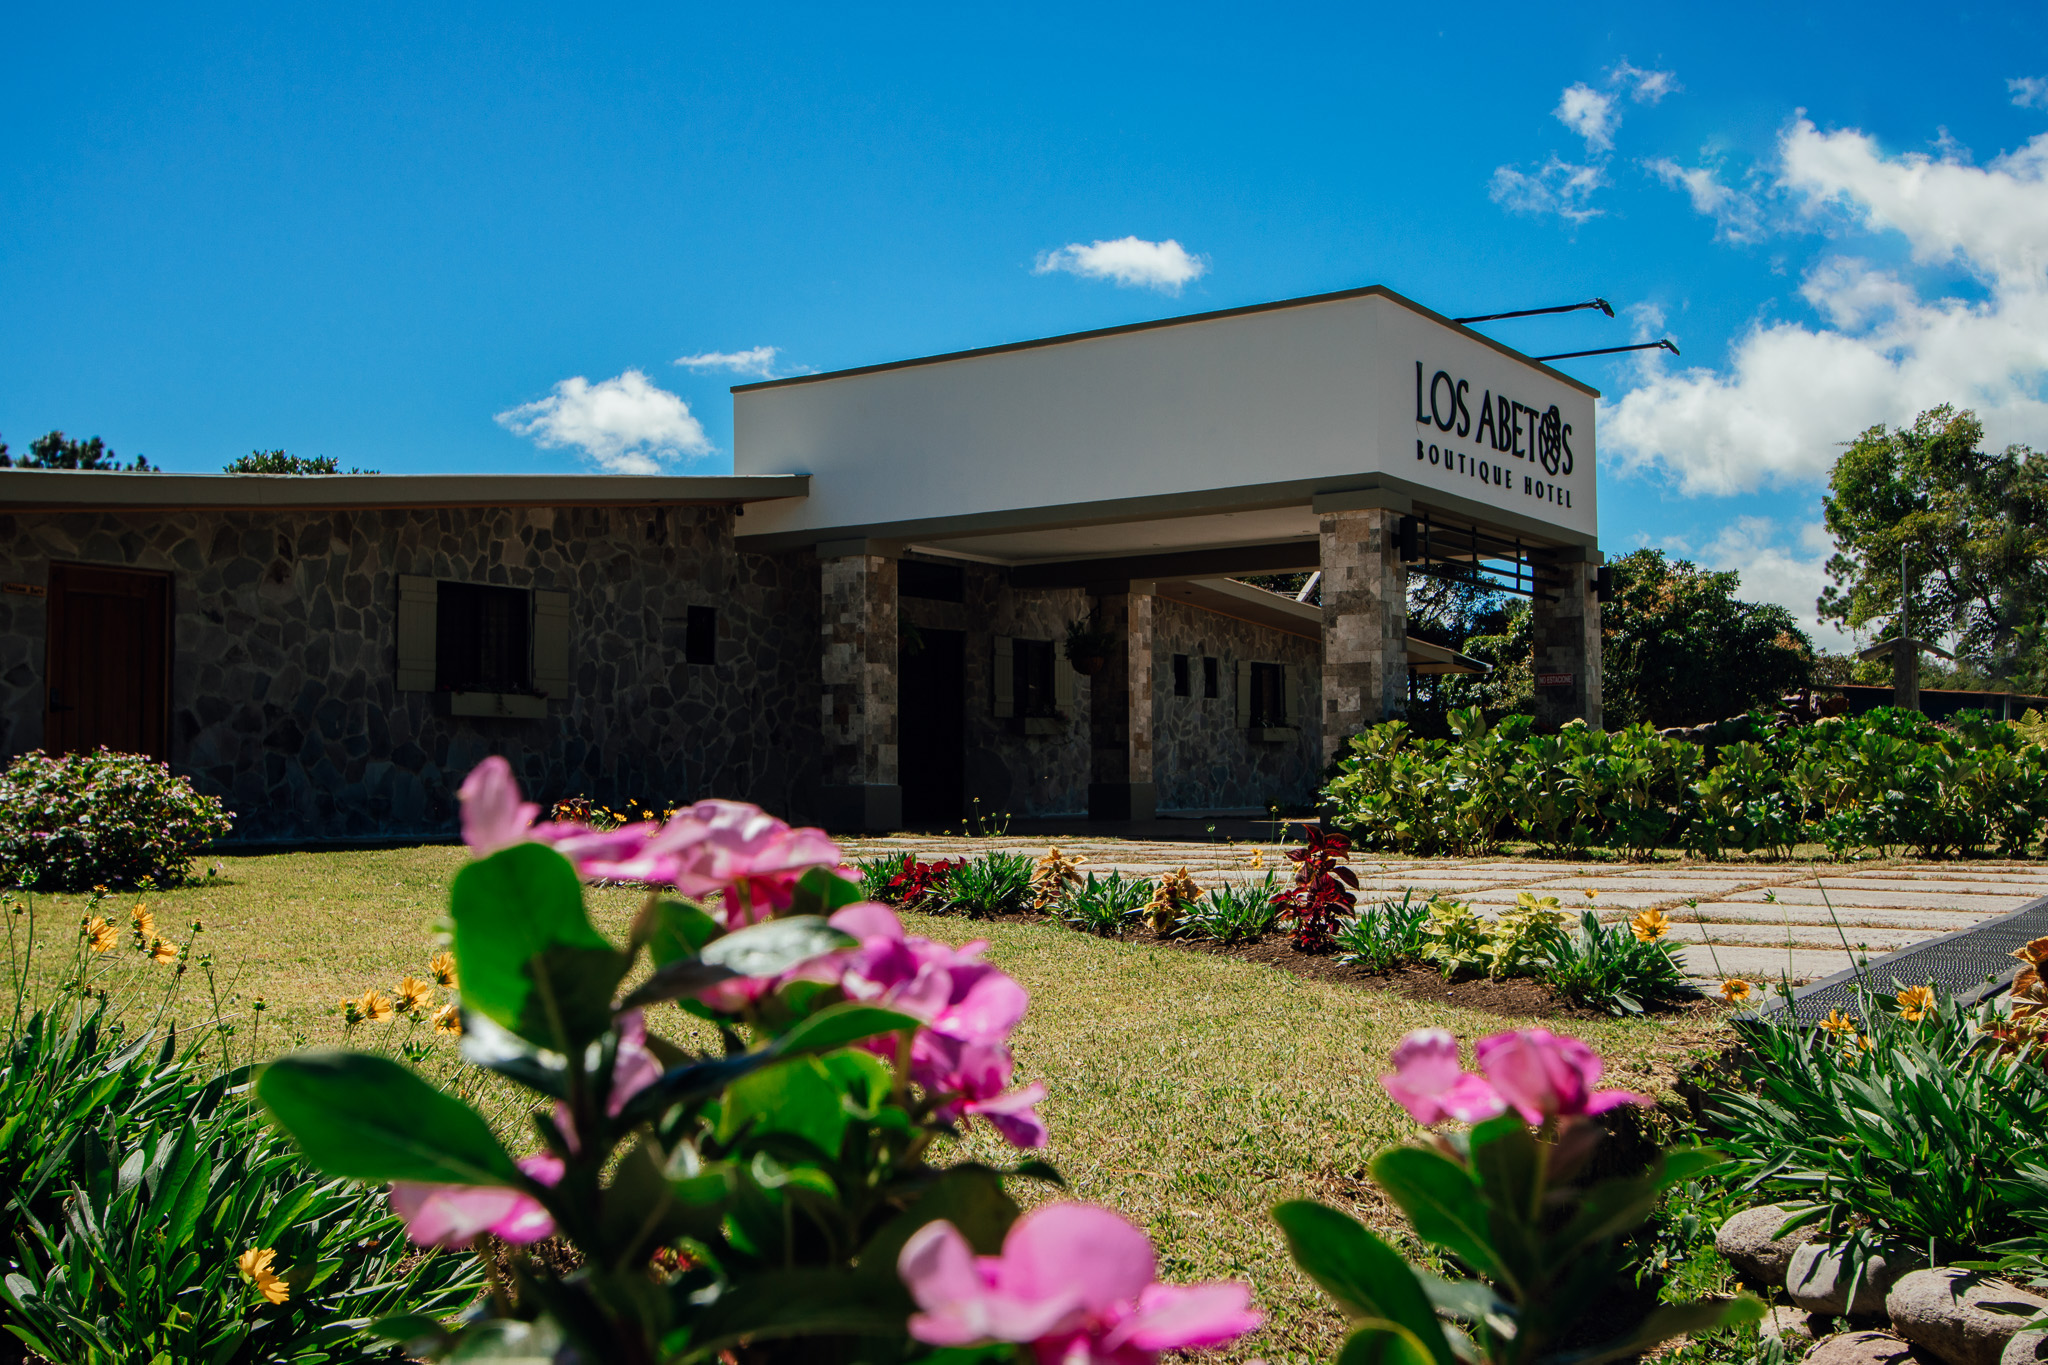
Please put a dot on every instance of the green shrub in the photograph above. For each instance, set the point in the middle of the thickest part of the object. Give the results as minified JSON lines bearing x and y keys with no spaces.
{"x":1900,"y":1126}
{"x":1234,"y":912}
{"x":876,"y":873}
{"x":100,"y":819}
{"x":996,"y":883}
{"x":1106,"y":905}
{"x":1384,"y":936}
{"x":1610,"y":968}
{"x":1522,"y":939}
{"x":1453,"y":937}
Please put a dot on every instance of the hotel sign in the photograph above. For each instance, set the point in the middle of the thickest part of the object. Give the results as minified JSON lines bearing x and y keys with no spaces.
{"x":1491,"y":439}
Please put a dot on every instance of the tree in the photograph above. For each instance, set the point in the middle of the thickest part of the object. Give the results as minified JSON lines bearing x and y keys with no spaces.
{"x":54,"y":451}
{"x":1680,"y":649}
{"x":1970,"y":528}
{"x":280,"y":462}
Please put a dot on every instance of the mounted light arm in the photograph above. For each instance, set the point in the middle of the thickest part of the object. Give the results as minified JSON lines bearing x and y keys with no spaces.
{"x":1602,"y":304}
{"x":1665,"y":345}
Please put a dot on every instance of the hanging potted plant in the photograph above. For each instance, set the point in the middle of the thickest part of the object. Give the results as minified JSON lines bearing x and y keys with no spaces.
{"x":1088,"y":648}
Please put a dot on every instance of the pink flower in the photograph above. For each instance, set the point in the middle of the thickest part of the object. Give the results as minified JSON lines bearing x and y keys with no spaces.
{"x":746,"y":853}
{"x":455,"y":1215}
{"x":1075,"y":1282}
{"x":634,"y":1068}
{"x":1428,"y":1082}
{"x":1544,"y":1076}
{"x":493,"y":816}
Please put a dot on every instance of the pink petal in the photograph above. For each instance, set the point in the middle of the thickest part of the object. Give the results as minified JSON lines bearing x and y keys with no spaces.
{"x":635,"y":1068}
{"x":1604,"y":1100}
{"x":1077,"y":1249}
{"x":1427,"y":1061}
{"x":1539,"y":1073}
{"x":493,"y":816}
{"x":454,"y":1215}
{"x":1173,"y":1317}
{"x":1015,"y":1115}
{"x":868,"y":920}
{"x":1472,"y":1100}
{"x":960,"y":1306}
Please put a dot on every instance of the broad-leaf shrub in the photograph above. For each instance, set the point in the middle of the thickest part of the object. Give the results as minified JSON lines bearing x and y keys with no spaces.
{"x":1540,"y":1248}
{"x":100,"y":819}
{"x":1887,"y":780}
{"x":780,"y":1192}
{"x":1323,"y":892}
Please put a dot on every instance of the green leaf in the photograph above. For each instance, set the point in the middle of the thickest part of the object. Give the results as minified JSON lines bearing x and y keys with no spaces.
{"x":970,"y":1197}
{"x":509,"y":1343}
{"x":773,"y":947}
{"x":1688,"y":1163}
{"x":368,"y":1118}
{"x":528,"y":954}
{"x":1443,"y":1203}
{"x":418,"y":1333}
{"x":1368,"y":1278}
{"x":1379,"y":1342}
{"x":797,"y":1303}
{"x":684,"y":976}
{"x":821,"y":891}
{"x":798,"y":1097}
{"x":692,"y":1084}
{"x":838,"y":1025}
{"x":485,"y":1042}
{"x":674,"y":929}
{"x":1672,"y":1320}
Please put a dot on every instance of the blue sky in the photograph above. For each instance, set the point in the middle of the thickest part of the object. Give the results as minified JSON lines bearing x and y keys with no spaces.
{"x":374,"y":234}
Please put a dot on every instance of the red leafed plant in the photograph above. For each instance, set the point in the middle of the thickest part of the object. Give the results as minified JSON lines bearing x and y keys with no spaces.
{"x":917,"y":882}
{"x":1324,"y":890}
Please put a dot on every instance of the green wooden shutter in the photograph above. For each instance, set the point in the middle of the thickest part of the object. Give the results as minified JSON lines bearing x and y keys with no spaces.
{"x":551,"y":643}
{"x":1062,"y":682}
{"x":1290,"y":693}
{"x":418,"y":613}
{"x":1244,"y":695}
{"x":1003,"y":677}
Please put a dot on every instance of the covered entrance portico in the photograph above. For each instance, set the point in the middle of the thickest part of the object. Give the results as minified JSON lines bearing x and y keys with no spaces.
{"x":1128,"y":477}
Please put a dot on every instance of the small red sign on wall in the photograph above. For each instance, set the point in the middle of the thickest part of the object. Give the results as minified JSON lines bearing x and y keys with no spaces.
{"x":1554,"y":679}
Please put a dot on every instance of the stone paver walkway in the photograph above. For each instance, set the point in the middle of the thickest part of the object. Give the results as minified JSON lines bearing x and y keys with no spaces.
{"x":1758,"y":920}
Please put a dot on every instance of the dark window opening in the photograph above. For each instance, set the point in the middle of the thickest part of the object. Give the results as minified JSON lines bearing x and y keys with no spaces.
{"x":483,"y":638}
{"x":700,"y":636}
{"x":937,"y":582}
{"x":1180,"y":676}
{"x":1031,"y":679}
{"x":1209,"y":684}
{"x":1269,"y":699}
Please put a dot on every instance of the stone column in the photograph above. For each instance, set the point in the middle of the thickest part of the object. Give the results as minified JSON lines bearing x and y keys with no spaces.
{"x":1365,"y":615}
{"x":860,"y":786}
{"x":1120,"y":708}
{"x":1567,"y":634}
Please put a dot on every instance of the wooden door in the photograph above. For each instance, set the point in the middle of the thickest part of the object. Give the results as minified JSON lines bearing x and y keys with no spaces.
{"x":108,"y":671}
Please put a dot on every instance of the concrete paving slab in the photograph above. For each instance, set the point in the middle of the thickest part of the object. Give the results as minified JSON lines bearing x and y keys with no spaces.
{"x":1982,"y":906}
{"x":1763,"y":964}
{"x":1928,"y":922}
{"x":1968,"y":886}
{"x":1798,"y":935}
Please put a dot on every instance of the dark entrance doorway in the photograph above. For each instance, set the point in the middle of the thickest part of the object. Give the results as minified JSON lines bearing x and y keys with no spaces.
{"x":108,"y":668}
{"x":931,"y":682}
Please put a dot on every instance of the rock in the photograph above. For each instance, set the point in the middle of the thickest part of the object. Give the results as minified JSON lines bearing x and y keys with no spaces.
{"x":1962,"y":1317}
{"x":1818,"y":1281}
{"x":2028,"y":1348}
{"x":1784,"y":1321}
{"x":1863,"y":1348}
{"x":1749,"y":1242}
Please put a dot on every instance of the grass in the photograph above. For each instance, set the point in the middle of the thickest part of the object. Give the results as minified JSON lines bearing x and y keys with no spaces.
{"x":1189,"y":1092}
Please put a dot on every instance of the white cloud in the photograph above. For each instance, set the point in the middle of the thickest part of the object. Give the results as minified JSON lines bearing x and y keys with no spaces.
{"x":1644,"y":87}
{"x":1557,"y":186}
{"x":627,"y":424}
{"x":2029,"y":92}
{"x":1589,"y":113}
{"x":1737,"y":216}
{"x":1772,"y":570}
{"x":1884,"y":351}
{"x":1164,"y":266}
{"x":759,"y":361}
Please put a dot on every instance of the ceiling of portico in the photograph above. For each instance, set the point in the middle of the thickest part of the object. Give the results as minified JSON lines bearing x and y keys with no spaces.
{"x":1213,"y":531}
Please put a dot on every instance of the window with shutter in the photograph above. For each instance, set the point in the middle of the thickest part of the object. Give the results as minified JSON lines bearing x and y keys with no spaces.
{"x":1003,"y":677}
{"x":1290,"y":696}
{"x":551,"y":643}
{"x":418,"y":600}
{"x":1244,"y":695}
{"x":1063,"y":685}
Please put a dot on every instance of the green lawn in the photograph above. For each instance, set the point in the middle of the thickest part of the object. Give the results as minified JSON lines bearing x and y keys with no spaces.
{"x":1189,"y":1092}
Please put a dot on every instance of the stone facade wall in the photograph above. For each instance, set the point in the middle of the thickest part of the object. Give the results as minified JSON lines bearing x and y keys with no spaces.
{"x":1365,"y":622}
{"x":283,"y":696}
{"x":1202,"y":760}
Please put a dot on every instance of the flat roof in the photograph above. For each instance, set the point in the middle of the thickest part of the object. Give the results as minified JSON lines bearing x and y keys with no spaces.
{"x":54,"y":490}
{"x":1370,"y":290}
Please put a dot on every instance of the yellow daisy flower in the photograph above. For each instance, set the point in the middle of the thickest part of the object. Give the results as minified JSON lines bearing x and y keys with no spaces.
{"x":1735,"y":990}
{"x":448,"y":1019}
{"x":351,"y":1012}
{"x":255,"y":1267}
{"x":1916,"y":1003}
{"x":1838,"y":1025}
{"x":100,"y":935}
{"x":145,"y":924}
{"x":414,"y":994}
{"x":443,"y":969}
{"x":163,"y":950}
{"x":375,"y":1006}
{"x":1651,"y":925}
